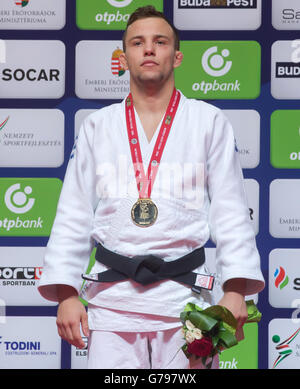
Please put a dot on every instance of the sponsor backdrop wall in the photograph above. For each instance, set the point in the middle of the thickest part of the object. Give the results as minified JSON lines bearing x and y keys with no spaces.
{"x":59,"y":61}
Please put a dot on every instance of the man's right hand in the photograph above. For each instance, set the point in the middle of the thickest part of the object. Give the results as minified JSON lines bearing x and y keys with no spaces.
{"x":71,"y":313}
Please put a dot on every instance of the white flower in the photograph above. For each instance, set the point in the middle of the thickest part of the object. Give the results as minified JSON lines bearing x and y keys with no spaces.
{"x":190,"y":325}
{"x":189,"y":337}
{"x":197,"y":333}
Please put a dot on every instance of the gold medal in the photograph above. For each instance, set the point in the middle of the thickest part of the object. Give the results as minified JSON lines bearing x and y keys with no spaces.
{"x":144,"y":213}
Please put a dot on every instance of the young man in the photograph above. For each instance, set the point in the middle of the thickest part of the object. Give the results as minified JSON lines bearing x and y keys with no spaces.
{"x":193,"y":189}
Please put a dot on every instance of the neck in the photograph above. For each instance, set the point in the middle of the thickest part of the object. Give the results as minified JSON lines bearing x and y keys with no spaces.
{"x":151,"y":98}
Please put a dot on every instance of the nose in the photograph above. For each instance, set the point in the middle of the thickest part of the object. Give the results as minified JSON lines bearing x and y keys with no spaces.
{"x":149,"y":49}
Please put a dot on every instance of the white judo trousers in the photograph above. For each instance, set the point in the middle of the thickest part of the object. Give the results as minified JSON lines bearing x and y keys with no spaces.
{"x":144,"y":350}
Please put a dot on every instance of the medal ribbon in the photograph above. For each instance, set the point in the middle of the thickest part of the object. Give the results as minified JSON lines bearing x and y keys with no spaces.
{"x":145,"y":183}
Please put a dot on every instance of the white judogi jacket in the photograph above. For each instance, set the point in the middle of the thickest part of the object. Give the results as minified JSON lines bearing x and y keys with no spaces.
{"x":199,"y":194}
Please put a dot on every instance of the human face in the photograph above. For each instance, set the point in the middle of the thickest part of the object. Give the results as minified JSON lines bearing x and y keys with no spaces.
{"x":150,"y":51}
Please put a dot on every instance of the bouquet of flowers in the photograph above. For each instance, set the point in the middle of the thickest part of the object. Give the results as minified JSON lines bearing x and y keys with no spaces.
{"x":211,"y":330}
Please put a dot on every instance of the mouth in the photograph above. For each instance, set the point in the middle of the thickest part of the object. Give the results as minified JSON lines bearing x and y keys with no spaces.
{"x":149,"y":63}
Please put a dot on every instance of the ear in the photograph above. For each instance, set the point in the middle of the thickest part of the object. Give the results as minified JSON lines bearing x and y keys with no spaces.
{"x":178,"y":59}
{"x":123,"y":61}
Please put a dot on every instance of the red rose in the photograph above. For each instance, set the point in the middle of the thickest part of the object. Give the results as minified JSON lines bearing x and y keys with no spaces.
{"x":200,"y":347}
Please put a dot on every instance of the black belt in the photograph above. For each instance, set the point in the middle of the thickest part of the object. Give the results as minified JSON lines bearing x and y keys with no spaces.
{"x":146,"y":269}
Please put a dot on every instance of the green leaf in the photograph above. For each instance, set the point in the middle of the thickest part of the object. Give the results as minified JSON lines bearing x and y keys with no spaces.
{"x":229,"y":328}
{"x":204,"y":322}
{"x":192,"y":307}
{"x":189,"y":307}
{"x":203,"y":360}
{"x":222,"y":314}
{"x":184,"y":316}
{"x":227,"y":337}
{"x":184,"y":349}
{"x":215,"y":340}
{"x":253,"y":313}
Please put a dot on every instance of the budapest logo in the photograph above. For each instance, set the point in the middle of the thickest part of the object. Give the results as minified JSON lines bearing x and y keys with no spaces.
{"x":281,"y":279}
{"x":207,"y":4}
{"x":283,"y":348}
{"x":215,"y":64}
{"x":119,"y":3}
{"x":3,"y":124}
{"x":287,"y":70}
{"x":116,"y":67}
{"x":17,"y":201}
{"x":22,"y":3}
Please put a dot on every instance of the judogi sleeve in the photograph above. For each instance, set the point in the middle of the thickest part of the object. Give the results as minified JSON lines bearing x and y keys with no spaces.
{"x":70,"y":243}
{"x":231,"y":229}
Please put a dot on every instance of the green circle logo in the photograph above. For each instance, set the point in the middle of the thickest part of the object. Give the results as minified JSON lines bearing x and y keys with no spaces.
{"x":276,"y":338}
{"x":119,"y":3}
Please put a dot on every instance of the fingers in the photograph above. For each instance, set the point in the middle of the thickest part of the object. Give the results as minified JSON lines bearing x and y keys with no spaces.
{"x":70,"y":331}
{"x":69,"y":316}
{"x":239,"y":334}
{"x":85,"y":325}
{"x":241,"y":320}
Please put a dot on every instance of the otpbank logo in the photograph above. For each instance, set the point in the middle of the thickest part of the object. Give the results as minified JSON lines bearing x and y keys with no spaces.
{"x":284,"y":344}
{"x":119,"y":3}
{"x":28,"y":206}
{"x":108,"y":14}
{"x":220,"y":69}
{"x":285,"y":139}
{"x":18,"y":201}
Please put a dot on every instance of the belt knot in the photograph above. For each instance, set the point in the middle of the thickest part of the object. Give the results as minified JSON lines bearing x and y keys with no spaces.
{"x":146,"y":269}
